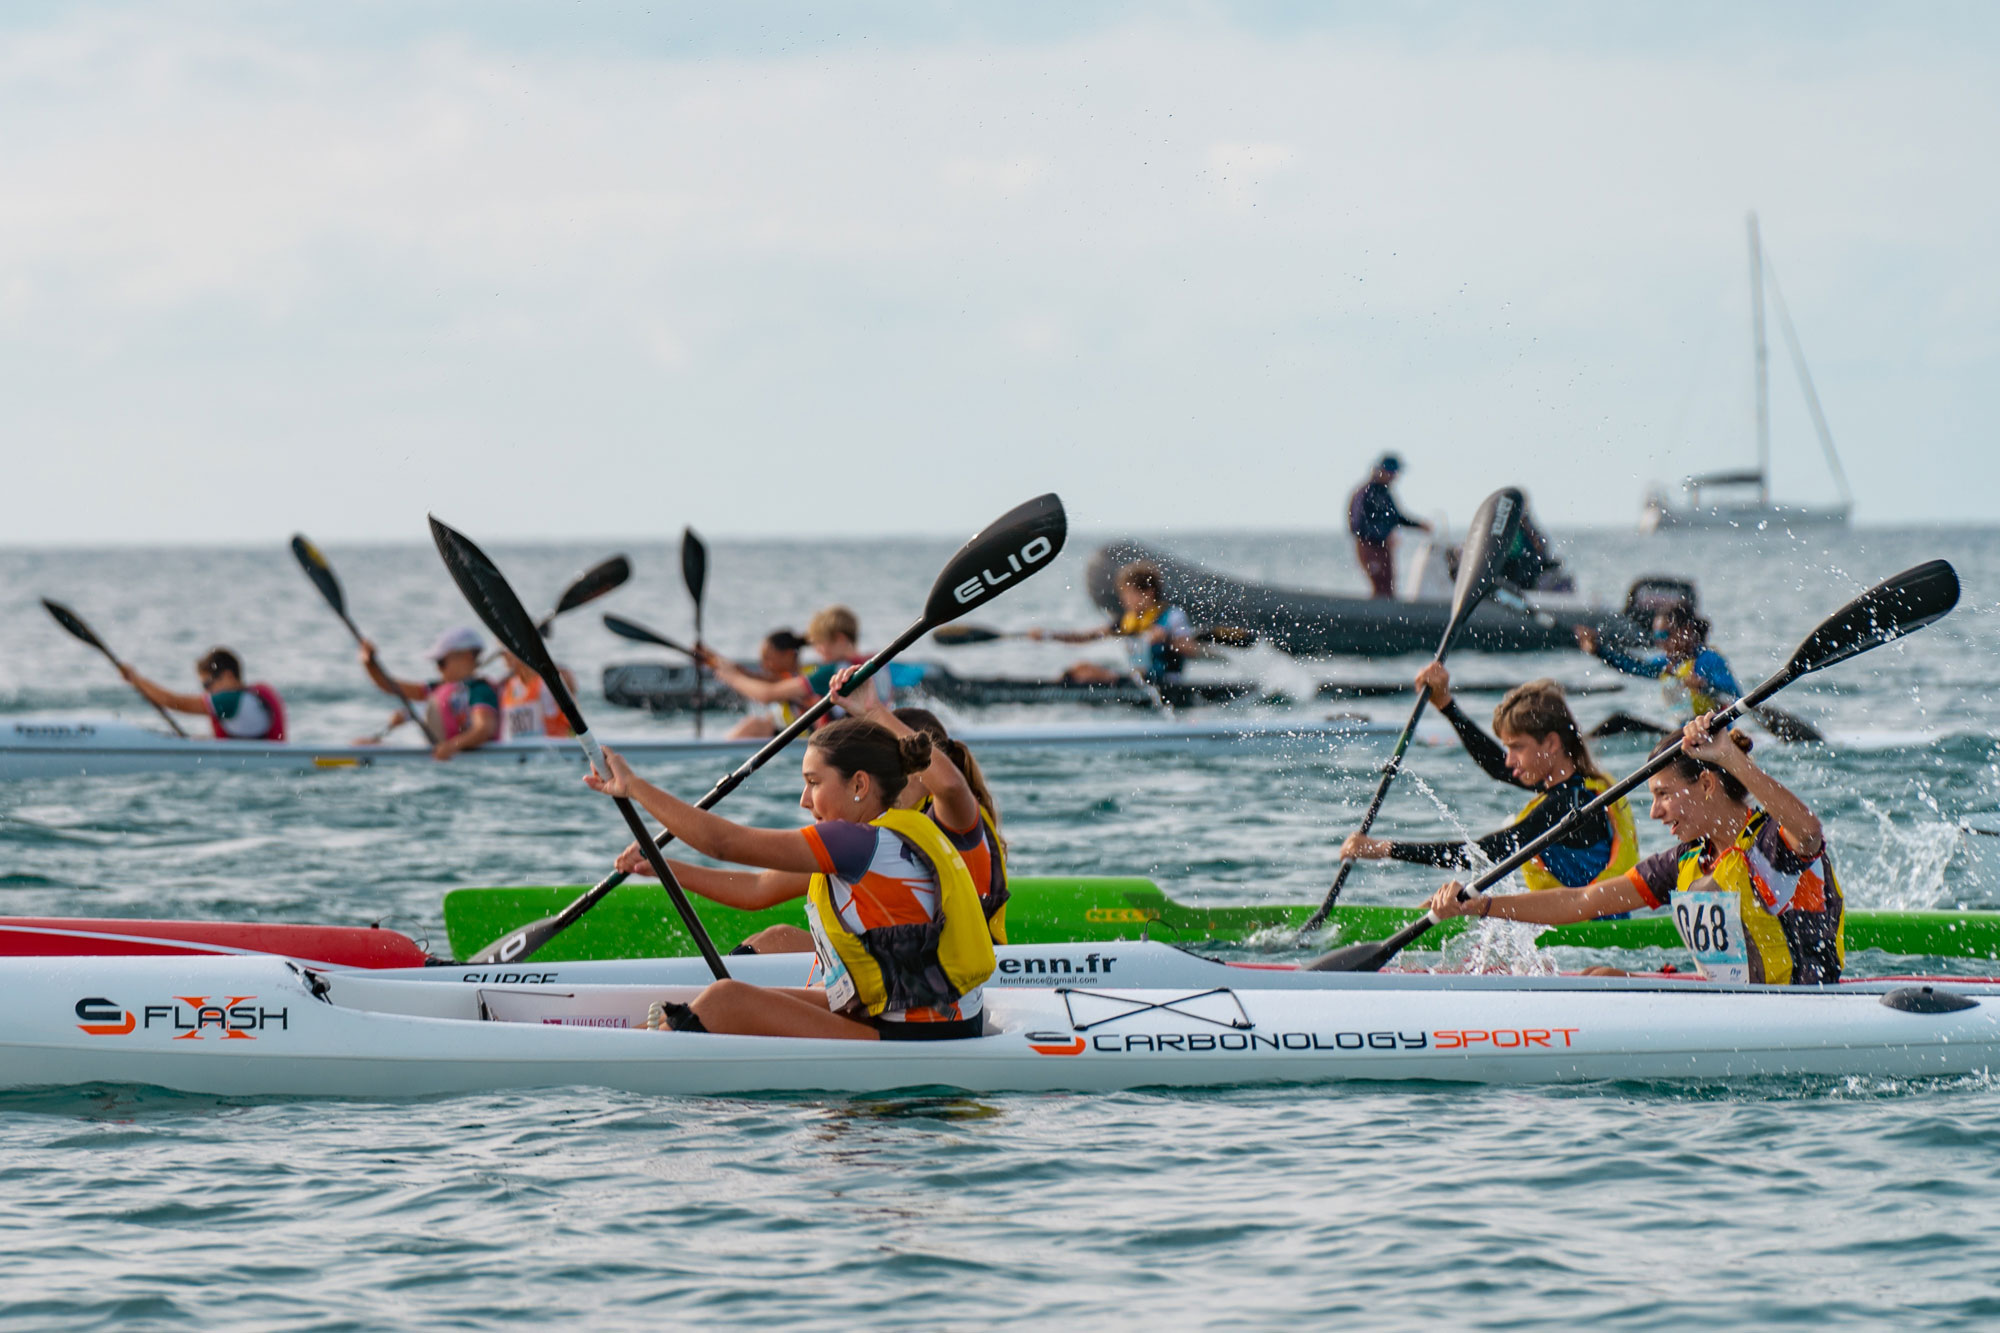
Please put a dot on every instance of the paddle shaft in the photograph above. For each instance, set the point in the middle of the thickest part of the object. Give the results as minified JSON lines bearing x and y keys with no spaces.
{"x":800,"y":725}
{"x":409,"y":709}
{"x":1493,"y":528}
{"x":1389,"y":771}
{"x":165,"y":716}
{"x":1723,"y":720}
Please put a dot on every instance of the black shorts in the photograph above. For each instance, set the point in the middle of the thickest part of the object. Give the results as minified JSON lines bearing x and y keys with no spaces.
{"x":952,"y":1030}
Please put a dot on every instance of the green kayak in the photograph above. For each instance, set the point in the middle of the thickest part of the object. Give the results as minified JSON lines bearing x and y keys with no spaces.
{"x":636,"y":921}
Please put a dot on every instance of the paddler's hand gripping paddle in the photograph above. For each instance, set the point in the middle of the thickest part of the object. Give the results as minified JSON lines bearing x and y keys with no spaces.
{"x":1016,"y":546}
{"x":1892,"y":608}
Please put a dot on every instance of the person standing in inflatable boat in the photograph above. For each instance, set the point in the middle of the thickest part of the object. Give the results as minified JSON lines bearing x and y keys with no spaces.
{"x":237,"y":712}
{"x":894,"y":913}
{"x":461,"y":708}
{"x":1751,"y":884}
{"x":1540,"y":749}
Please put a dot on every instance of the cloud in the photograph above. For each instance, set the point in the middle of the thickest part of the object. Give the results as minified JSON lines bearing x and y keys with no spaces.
{"x":1187,"y":271}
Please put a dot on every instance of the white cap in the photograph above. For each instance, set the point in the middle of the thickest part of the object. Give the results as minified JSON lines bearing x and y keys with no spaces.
{"x":464,"y":640}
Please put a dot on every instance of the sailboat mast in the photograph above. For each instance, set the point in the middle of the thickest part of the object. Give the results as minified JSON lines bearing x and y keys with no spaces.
{"x":1763,"y":368}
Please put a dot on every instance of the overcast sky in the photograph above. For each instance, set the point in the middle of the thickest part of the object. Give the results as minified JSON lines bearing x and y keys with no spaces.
{"x":770,"y":268}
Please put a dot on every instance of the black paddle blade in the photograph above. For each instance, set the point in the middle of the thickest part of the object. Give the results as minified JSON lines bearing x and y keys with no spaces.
{"x":1898,"y":605}
{"x":593,"y":583}
{"x":72,"y":622}
{"x":1347,"y":958}
{"x":1019,"y":544}
{"x":1487,"y":543}
{"x":320,"y":572}
{"x":633,"y":630}
{"x":493,"y":600}
{"x":952,"y":636}
{"x":694,"y":563}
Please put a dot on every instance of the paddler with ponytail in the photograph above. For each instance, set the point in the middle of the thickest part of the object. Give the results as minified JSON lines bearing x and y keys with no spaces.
{"x":1750,"y":886}
{"x":895,"y":915}
{"x":1540,"y":749}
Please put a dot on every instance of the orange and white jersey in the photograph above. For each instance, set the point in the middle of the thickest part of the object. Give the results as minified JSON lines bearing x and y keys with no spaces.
{"x":528,"y":711}
{"x":876,"y":880}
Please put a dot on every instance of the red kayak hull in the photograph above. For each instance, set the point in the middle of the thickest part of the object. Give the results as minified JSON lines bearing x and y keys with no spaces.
{"x":337,"y":946}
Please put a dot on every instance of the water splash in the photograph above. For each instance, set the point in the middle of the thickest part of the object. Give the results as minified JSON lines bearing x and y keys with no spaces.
{"x":1913,"y":860}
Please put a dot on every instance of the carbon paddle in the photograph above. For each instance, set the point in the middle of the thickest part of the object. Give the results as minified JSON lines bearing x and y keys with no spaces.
{"x":72,"y":622}
{"x":957,"y":636}
{"x":1486,"y":543}
{"x":633,"y":630}
{"x":493,"y":599}
{"x":593,"y":583}
{"x":1016,"y":546}
{"x":1895,"y":607}
{"x":694,"y":573}
{"x":321,"y":573}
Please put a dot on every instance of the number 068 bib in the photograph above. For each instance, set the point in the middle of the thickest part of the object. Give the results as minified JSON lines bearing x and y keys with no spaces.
{"x":1711,"y":925}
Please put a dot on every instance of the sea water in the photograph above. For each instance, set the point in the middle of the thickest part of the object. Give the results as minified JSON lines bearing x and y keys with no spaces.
{"x":1844,"y":1202}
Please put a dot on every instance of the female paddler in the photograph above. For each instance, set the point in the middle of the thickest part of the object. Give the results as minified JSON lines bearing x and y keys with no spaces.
{"x":894,"y":913}
{"x":1542,"y":750}
{"x":951,"y":790}
{"x":1751,"y":885}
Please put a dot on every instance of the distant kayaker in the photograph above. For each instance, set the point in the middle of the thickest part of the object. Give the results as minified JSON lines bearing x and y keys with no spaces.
{"x":1542,"y":749}
{"x":236,"y":711}
{"x":894,"y":912}
{"x":1693,"y":676}
{"x":1373,"y":517}
{"x":527,"y":710}
{"x":953,"y":792}
{"x":1751,"y":885}
{"x":778,"y":684}
{"x":462,"y":709}
{"x":834,"y":635}
{"x":1158,"y":638}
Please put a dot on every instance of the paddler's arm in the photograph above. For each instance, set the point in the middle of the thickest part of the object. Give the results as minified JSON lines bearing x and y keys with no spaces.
{"x":706,"y":832}
{"x":1798,"y":821}
{"x":388,"y":684}
{"x":1550,"y":907}
{"x":791,"y":690}
{"x":161,"y":695}
{"x":957,"y":808}
{"x":1485,"y":751}
{"x":745,"y":890}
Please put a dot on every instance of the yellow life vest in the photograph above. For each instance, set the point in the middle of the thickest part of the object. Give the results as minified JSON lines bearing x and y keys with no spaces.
{"x":993,"y":902}
{"x":1624,"y":842}
{"x":911,"y":966}
{"x":1683,"y":683}
{"x":1138,"y":622}
{"x":1763,"y":953}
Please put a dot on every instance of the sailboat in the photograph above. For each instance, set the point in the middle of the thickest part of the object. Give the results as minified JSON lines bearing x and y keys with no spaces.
{"x":1742,"y":499}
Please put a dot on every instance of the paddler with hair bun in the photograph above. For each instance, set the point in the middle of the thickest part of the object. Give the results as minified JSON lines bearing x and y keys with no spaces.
{"x":952,"y":791}
{"x":1541,"y":749}
{"x":1750,"y":887}
{"x":895,"y":915}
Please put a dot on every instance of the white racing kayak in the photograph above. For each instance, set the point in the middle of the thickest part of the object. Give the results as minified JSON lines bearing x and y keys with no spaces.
{"x":53,"y":747}
{"x":253,"y":1026}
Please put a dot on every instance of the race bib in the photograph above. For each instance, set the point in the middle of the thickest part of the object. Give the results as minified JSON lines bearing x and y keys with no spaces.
{"x":1711,"y":925}
{"x":839,"y":985}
